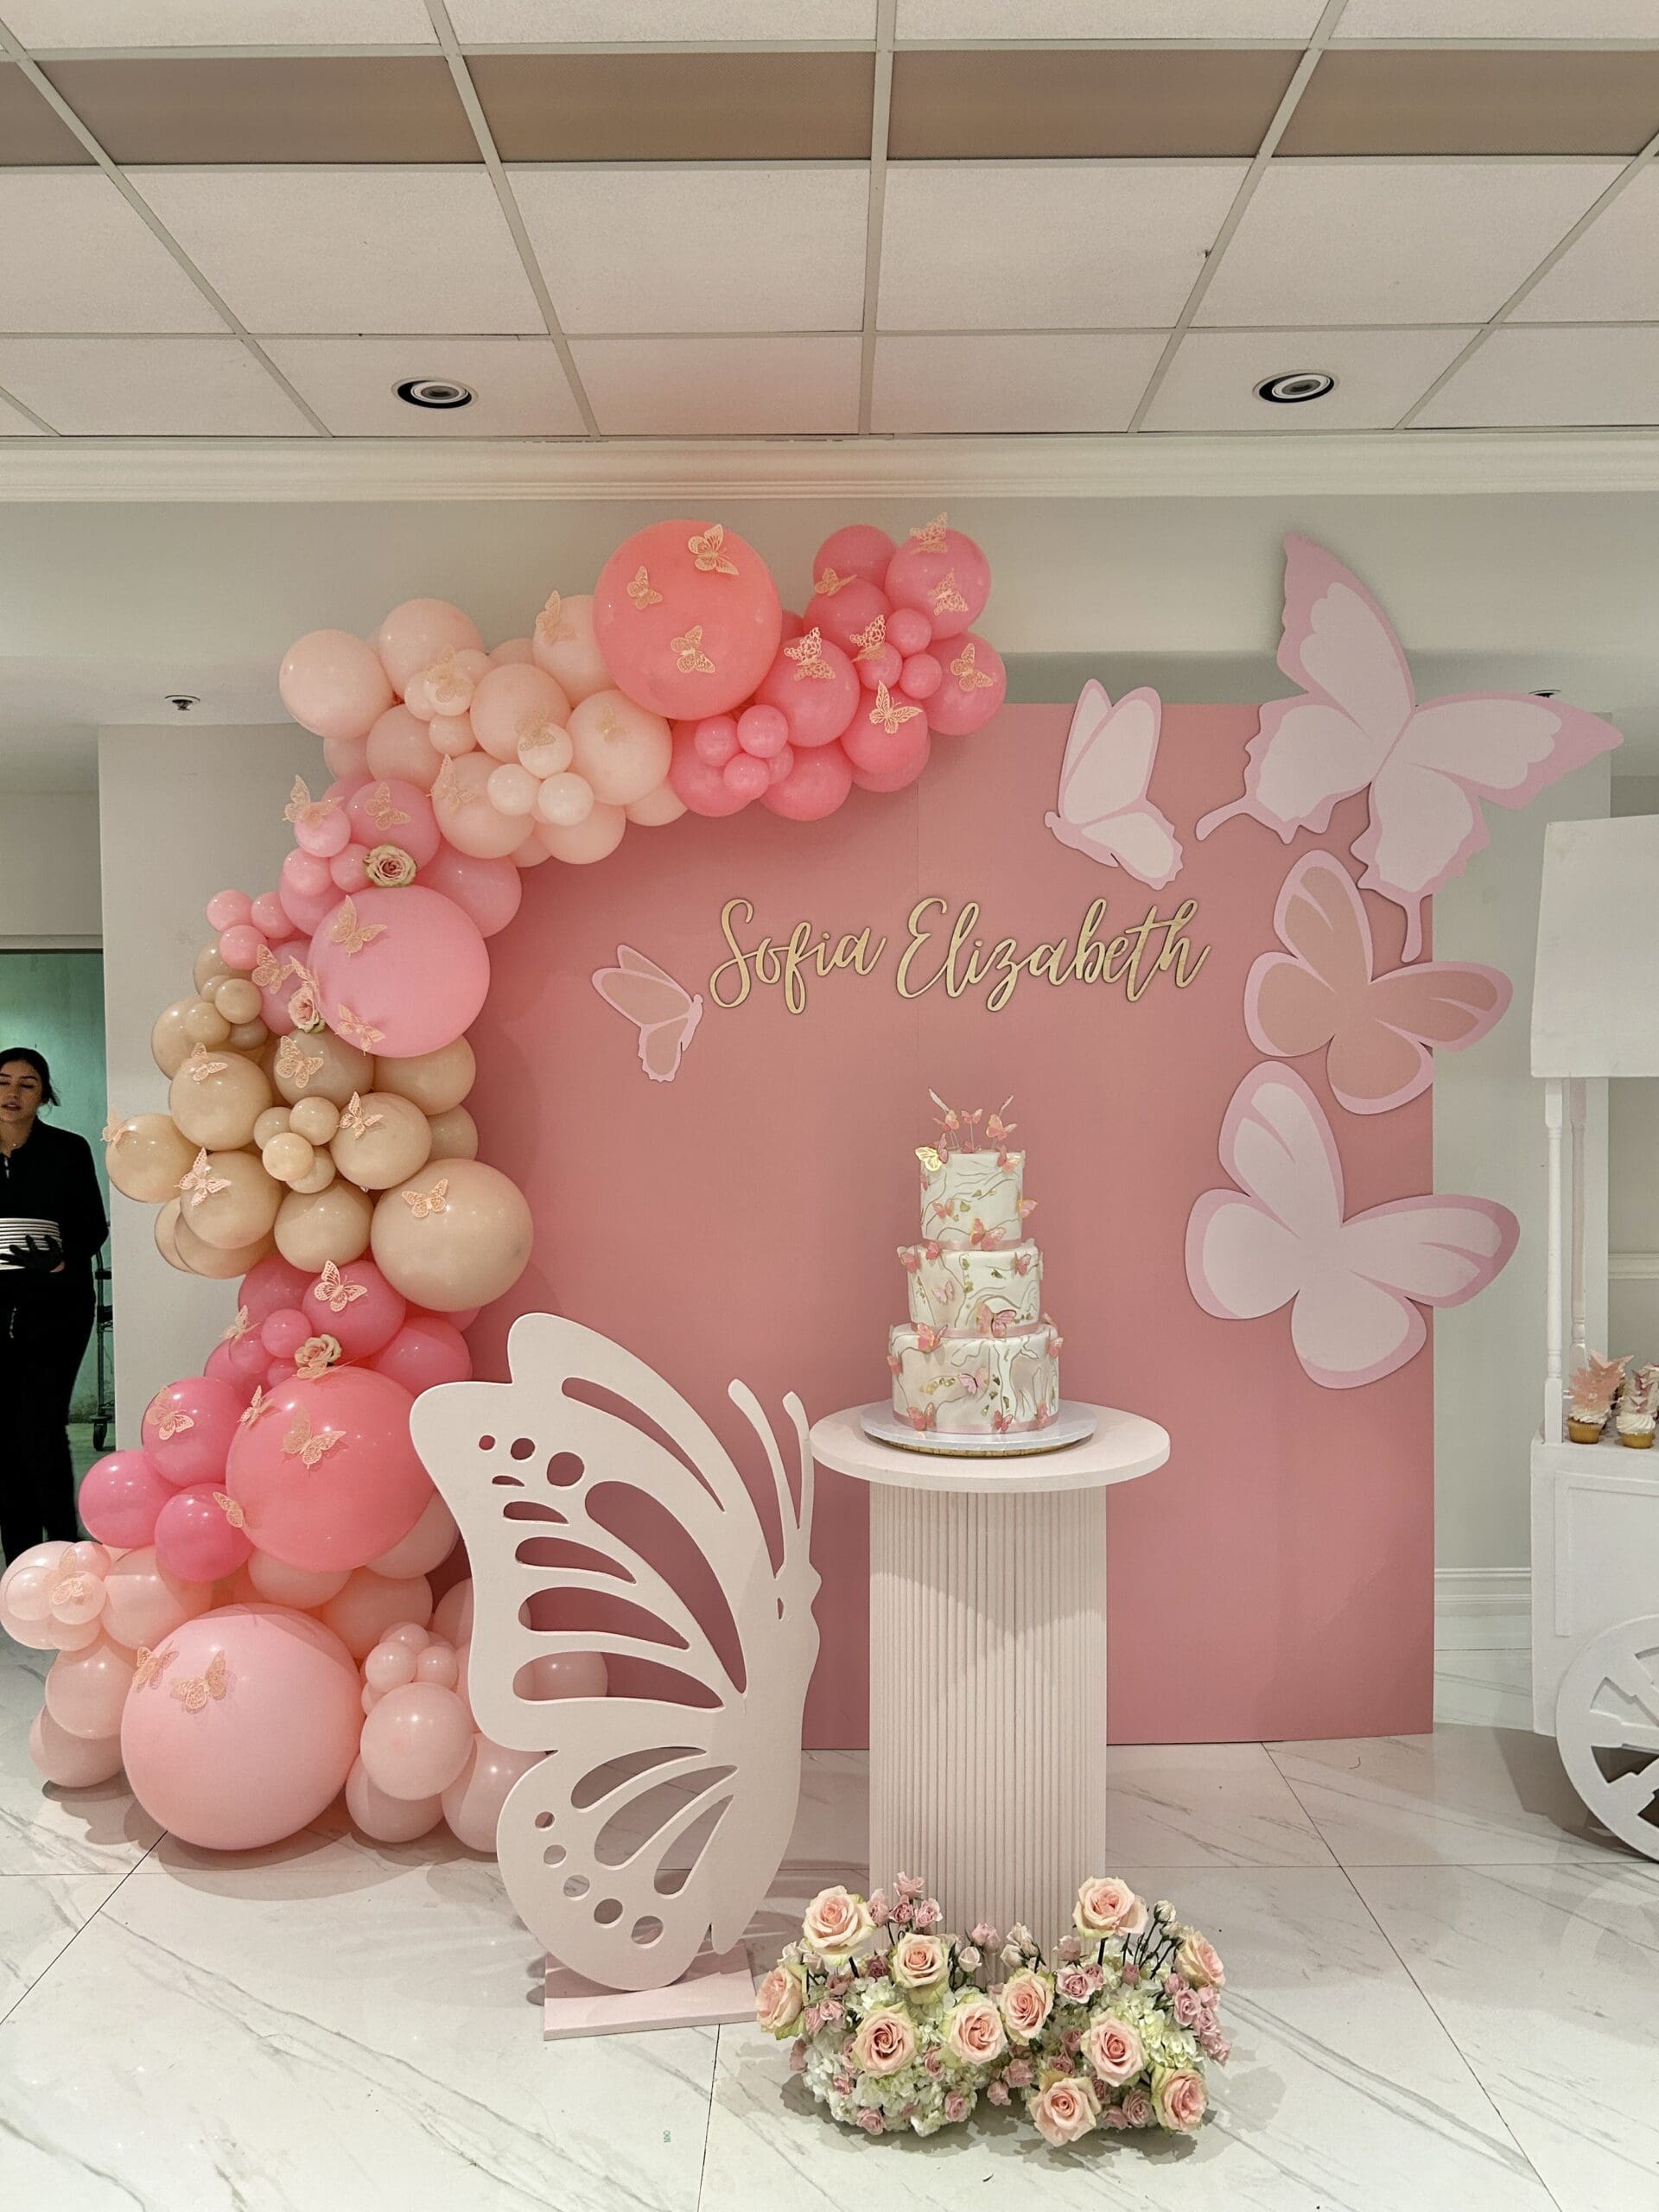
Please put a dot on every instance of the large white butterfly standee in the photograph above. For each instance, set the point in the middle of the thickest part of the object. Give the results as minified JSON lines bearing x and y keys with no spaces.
{"x":652,"y":1823}
{"x":1354,"y":1285}
{"x":1103,"y":808}
{"x":666,"y":1014}
{"x":1358,"y":726}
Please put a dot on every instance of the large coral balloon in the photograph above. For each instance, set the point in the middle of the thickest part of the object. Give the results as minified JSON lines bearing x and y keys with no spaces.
{"x":687,"y":617}
{"x":325,"y":1472}
{"x":403,"y":972}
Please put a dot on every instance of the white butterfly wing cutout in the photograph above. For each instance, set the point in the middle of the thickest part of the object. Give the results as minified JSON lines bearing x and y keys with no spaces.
{"x":666,"y":1014}
{"x":1354,"y":1286}
{"x":652,"y":1822}
{"x":1105,"y":775}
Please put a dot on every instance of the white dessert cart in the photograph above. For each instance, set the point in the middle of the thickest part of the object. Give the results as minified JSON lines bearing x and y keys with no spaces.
{"x":1595,"y":1507}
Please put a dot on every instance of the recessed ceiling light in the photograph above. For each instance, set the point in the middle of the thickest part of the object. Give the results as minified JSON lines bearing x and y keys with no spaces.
{"x":183,"y":701}
{"x":434,"y":392}
{"x":1295,"y":387}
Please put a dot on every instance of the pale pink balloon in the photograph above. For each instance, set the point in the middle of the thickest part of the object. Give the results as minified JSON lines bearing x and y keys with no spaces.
{"x":511,"y":703}
{"x":26,"y":1596}
{"x":438,"y":1663}
{"x":74,"y":1762}
{"x":512,"y":652}
{"x":416,"y":1740}
{"x":333,"y":683}
{"x":363,"y":1486}
{"x":950,"y":583}
{"x":563,"y":1673}
{"x":464,"y":1660}
{"x":472,"y":1804}
{"x":658,"y":807}
{"x":565,"y":646}
{"x":188,"y":1428}
{"x":595,"y":837}
{"x":964,"y":701}
{"x":121,"y":1495}
{"x":143,"y":1603}
{"x":697,"y":782}
{"x":452,"y":736}
{"x":269,"y":917}
{"x":816,"y":786}
{"x":347,"y":870}
{"x":196,"y":1538}
{"x":86,"y":1690}
{"x":465,"y":815}
{"x":425,"y":1351}
{"x":392,"y":812}
{"x":246,"y":1731}
{"x":390,"y":1665}
{"x":347,"y":756}
{"x":815,"y":709}
{"x":279,"y":1584}
{"x":428,"y":1544}
{"x":843,"y":618}
{"x":444,"y":689}
{"x":419,"y":632}
{"x":324,"y":835}
{"x":512,"y":791}
{"x":703,"y":643}
{"x":452,"y":1617}
{"x":268,"y":1286}
{"x":857,"y":549}
{"x":357,"y":1306}
{"x":486,"y":887}
{"x":415,"y":987}
{"x":385,"y":1819}
{"x":622,"y":751}
{"x":400,"y":747}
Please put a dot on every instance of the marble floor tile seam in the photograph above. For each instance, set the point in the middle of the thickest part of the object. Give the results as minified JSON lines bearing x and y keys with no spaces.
{"x":24,"y":1995}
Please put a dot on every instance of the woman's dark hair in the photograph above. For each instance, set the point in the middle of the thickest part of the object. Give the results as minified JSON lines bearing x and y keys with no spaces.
{"x":37,"y":1061}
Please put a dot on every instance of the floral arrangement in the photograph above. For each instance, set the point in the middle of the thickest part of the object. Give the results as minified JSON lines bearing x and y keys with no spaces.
{"x":895,"y":2024}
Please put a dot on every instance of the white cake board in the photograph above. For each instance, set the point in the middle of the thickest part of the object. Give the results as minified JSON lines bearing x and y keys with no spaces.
{"x":715,"y":1990}
{"x":1072,"y":1424}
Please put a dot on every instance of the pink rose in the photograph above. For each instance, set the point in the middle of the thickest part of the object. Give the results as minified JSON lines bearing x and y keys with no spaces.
{"x":934,"y":2063}
{"x":1109,"y":1907}
{"x":1184,"y":2003}
{"x":973,"y":2032}
{"x":968,"y":1957}
{"x":871,"y":2121}
{"x":910,"y":1885}
{"x":1020,"y":2074}
{"x":1075,"y":1984}
{"x":903,"y":1913}
{"x":874,"y":1966}
{"x":798,"y":2058}
{"x":883,"y":2044}
{"x":1137,"y":2108}
{"x":842,"y":2085}
{"x":985,"y":1935}
{"x":837,"y":1922}
{"x":829,"y":2012}
{"x":920,"y":1963}
{"x":927,"y":1916}
{"x":997,"y":2091}
{"x":880,"y":1907}
{"x":389,"y":868}
{"x":1114,"y":2051}
{"x":1178,"y":2098}
{"x":1113,"y":2117}
{"x":1198,"y":1960}
{"x":1070,"y":1949}
{"x":955,"y":2107}
{"x":1027,"y":2000}
{"x":1065,"y":2110}
{"x":303,"y":1010}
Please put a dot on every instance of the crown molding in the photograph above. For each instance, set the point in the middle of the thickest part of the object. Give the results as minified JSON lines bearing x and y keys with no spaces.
{"x":1376,"y":464}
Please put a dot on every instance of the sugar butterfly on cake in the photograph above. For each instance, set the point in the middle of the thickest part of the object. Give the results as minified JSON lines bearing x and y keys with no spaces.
{"x":1591,"y":1390}
{"x":1637,"y":1414}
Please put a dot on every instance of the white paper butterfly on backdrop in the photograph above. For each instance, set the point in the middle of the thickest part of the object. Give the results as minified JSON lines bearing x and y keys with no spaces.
{"x":1110,"y":752}
{"x":652,"y":1823}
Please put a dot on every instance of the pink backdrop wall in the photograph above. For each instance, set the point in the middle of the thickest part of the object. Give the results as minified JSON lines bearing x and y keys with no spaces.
{"x":1276,"y":1578}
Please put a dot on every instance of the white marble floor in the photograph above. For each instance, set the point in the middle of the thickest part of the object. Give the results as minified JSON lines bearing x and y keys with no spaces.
{"x":1442,"y":1994}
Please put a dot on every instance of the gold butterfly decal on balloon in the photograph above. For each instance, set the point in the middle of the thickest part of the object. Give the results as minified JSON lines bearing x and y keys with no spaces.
{"x":931,"y":535}
{"x":359,"y":1123}
{"x":448,"y":687}
{"x":173,"y":1422}
{"x":303,"y":976}
{"x":304,"y":812}
{"x":201,"y":1067}
{"x":689,"y":657}
{"x":193,"y":1691}
{"x":69,"y":1591}
{"x":238,"y":1328}
{"x":202,"y":1182}
{"x":943,"y":597}
{"x":448,"y":789}
{"x":300,"y":1443}
{"x":807,"y":653}
{"x":872,"y":641}
{"x":115,"y":1128}
{"x":887,"y":711}
{"x":355,"y":1030}
{"x":257,"y":1404}
{"x":331,"y":1289}
{"x":315,"y":1356}
{"x":268,"y":970}
{"x":640,"y":592}
{"x":293,"y":1063}
{"x":151,"y":1665}
{"x":969,"y":675}
{"x":347,"y":930}
{"x":228,"y":1506}
{"x":436,"y":1200}
{"x":830,"y":583}
{"x":708,"y":552}
{"x":384,"y":810}
{"x":550,"y":623}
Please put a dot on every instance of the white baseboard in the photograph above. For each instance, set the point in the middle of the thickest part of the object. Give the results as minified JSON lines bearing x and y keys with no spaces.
{"x":1483,"y":1609}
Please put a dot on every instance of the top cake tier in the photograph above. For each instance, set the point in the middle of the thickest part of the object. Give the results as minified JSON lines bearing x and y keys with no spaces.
{"x":973,"y":1198}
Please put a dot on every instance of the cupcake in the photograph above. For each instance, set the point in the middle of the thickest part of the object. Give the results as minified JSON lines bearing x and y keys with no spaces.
{"x":1636,"y":1414}
{"x":1591,"y":1390}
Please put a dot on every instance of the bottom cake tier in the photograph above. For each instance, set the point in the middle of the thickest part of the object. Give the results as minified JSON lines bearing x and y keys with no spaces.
{"x":972,"y":1385}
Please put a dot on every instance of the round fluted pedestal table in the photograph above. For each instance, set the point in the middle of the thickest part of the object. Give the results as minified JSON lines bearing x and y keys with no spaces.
{"x":987,"y":1664}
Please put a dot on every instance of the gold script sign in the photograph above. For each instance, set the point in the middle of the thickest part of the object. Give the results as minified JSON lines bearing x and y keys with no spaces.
{"x":950,"y":951}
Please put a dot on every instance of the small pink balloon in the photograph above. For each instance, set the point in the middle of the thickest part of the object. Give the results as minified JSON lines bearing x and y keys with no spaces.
{"x":385,"y":1819}
{"x":815,"y":787}
{"x":239,"y":946}
{"x":86,"y":1690}
{"x":306,"y":904}
{"x":347,"y":756}
{"x":714,"y":738}
{"x":762,"y":731}
{"x":333,"y":683}
{"x":947,"y":578}
{"x":245,"y":1362}
{"x":512,"y":789}
{"x":196,"y":1539}
{"x":370,"y":1604}
{"x":390,"y":1665}
{"x":346,"y":869}
{"x":909,"y":630}
{"x":188,"y":1428}
{"x":695,"y":781}
{"x":889,"y":763}
{"x":920,"y":677}
{"x":452,"y":1617}
{"x":269,"y":917}
{"x":426,"y":1547}
{"x":881,"y":667}
{"x":275,"y":1282}
{"x":324,"y":835}
{"x":782,"y":764}
{"x":392,"y":812}
{"x":746,"y":776}
{"x":444,"y":689}
{"x":488,"y":888}
{"x":76,"y":1762}
{"x":439,"y":1664}
{"x":817,"y":707}
{"x":472,"y":1804}
{"x":279,"y":1584}
{"x":400,"y":747}
{"x":282,"y":1332}
{"x":120,"y":1497}
{"x":844,"y":617}
{"x":355,"y":1425}
{"x":427,"y":1350}
{"x":704,"y":579}
{"x":563,"y":1673}
{"x":415,"y":987}
{"x":451,"y":736}
{"x":513,"y":702}
{"x":356,"y":1306}
{"x":465,"y":815}
{"x":416,"y":1740}
{"x":965,"y":701}
{"x":858,"y":549}
{"x":226,"y":908}
{"x":417,"y":634}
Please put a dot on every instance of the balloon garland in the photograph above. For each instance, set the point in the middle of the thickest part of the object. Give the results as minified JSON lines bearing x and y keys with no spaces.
{"x":273,"y":1607}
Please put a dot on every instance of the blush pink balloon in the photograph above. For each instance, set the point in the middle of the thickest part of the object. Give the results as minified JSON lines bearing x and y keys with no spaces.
{"x":360,"y":1493}
{"x":426,"y":1547}
{"x":347,"y":756}
{"x":385,"y":1819}
{"x":120,"y":1497}
{"x":472,"y":1804}
{"x":271,"y":918}
{"x":195,"y":1538}
{"x":86,"y":1690}
{"x":762,"y":731}
{"x":420,"y":985}
{"x":243,"y":1365}
{"x":858,"y":549}
{"x":273,"y":1283}
{"x":323,"y":835}
{"x":263,"y":1742}
{"x":511,"y":700}
{"x":920,"y":677}
{"x":346,"y":869}
{"x":371,"y":1313}
{"x":419,"y":632}
{"x":840,"y":619}
{"x":278,"y":1584}
{"x":400,"y":747}
{"x":444,"y":691}
{"x":333,"y":683}
{"x":308,"y":893}
{"x":239,"y":946}
{"x":949,"y":585}
{"x":714,"y":584}
{"x":218,"y":1367}
{"x":374,"y":812}
{"x":883,"y":666}
{"x":563,"y":1673}
{"x":963,"y":704}
{"x":894,"y":762}
{"x":486,"y":887}
{"x":416,"y":1740}
{"x":816,"y":786}
{"x":427,"y":1350}
{"x":512,"y":653}
{"x":715,"y":739}
{"x":467,"y":819}
{"x":815,"y":709}
{"x":452,"y":1617}
{"x":200,"y":1416}
{"x":142,"y":1601}
{"x":226,"y":908}
{"x":282,"y":1332}
{"x":74,"y":1762}
{"x":746,"y":776}
{"x":697,"y":782}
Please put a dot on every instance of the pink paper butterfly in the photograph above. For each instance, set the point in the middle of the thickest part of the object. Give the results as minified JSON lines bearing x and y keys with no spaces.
{"x":1322,"y":992}
{"x":665,"y":1013}
{"x":1357,"y":727}
{"x":1353,"y":1285}
{"x":1105,"y":809}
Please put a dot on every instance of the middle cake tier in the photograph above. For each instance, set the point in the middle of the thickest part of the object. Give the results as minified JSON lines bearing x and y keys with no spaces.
{"x":968,"y":1288}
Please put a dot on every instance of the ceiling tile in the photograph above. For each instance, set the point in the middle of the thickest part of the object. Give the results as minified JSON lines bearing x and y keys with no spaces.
{"x":14,"y":424}
{"x":755,"y":387}
{"x":949,"y":20}
{"x":990,"y":103}
{"x":662,"y":249}
{"x":677,"y":107}
{"x":74,"y":256}
{"x":1499,"y":19}
{"x":93,"y":23}
{"x":148,"y":388}
{"x":1519,"y":378}
{"x":1611,"y":273}
{"x":1210,"y":384}
{"x":1052,"y":245}
{"x":1476,"y":100}
{"x":519,"y":389}
{"x":601,"y":22}
{"x":1011,"y":381}
{"x":1363,"y":242}
{"x":319,"y":251}
{"x":31,"y":132}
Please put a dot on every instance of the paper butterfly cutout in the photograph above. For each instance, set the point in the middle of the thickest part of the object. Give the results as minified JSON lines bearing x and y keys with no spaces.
{"x":666,"y":1014}
{"x":384,"y":810}
{"x":173,"y":1422}
{"x":356,"y":1117}
{"x":354,"y":1030}
{"x":293,"y":1063}
{"x":931,"y":535}
{"x":422,"y":1203}
{"x":200,"y":1181}
{"x":1377,"y":1031}
{"x":347,"y":930}
{"x":302,"y":807}
{"x":115,"y":1128}
{"x":943,"y":597}
{"x":970,"y":676}
{"x":192,"y":1692}
{"x":689,"y":656}
{"x":1354,"y":1286}
{"x":654,"y":1822}
{"x":151,"y":1665}
{"x":640,"y":592}
{"x":889,"y":714}
{"x":268,"y":970}
{"x":229,"y":1507}
{"x":238,"y":1328}
{"x":257,"y":1404}
{"x":708,"y":551}
{"x":551,"y":624}
{"x":872,"y":640}
{"x":199,"y":1067}
{"x":830,"y":583}
{"x":332,"y":1290}
{"x":807,"y":653}
{"x":1358,"y":726}
{"x":1104,"y":812}
{"x":300,"y":1443}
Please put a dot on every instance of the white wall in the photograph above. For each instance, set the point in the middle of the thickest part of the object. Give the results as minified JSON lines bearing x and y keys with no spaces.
{"x":1633,"y":1170}
{"x":184,"y":814}
{"x":50,"y":868}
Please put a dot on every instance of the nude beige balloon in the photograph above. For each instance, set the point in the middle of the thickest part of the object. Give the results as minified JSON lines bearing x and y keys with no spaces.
{"x":456,"y":1234}
{"x":248,"y":1036}
{"x":237,"y":998}
{"x":433,"y":1081}
{"x":288,"y":1158}
{"x":211,"y":967}
{"x":241,"y":1211}
{"x":216,"y":1263}
{"x":204,"y":1024}
{"x":149,"y":1158}
{"x":218,"y":1109}
{"x":455,"y":1135}
{"x":270,"y":1123}
{"x":318,"y":1065}
{"x":167,"y":1236}
{"x":315,"y":1119}
{"x":313,"y":1228}
{"x":170,"y":1043}
{"x":321,"y":1175}
{"x":387,"y":1140}
{"x":650,"y":812}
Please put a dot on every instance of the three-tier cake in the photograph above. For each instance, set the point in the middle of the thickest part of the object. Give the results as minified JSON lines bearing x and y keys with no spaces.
{"x":978,"y":1356}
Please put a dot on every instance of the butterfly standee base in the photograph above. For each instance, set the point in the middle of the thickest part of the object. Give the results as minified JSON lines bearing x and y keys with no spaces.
{"x":987,"y":1664}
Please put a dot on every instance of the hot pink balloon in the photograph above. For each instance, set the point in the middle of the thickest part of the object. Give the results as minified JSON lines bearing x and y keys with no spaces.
{"x":881,"y":763}
{"x":965,"y":701}
{"x":327,"y":1476}
{"x":414,"y":988}
{"x":858,"y":549}
{"x":385,"y":1819}
{"x":244,"y":1363}
{"x":218,"y":1367}
{"x":488,"y":889}
{"x":696,"y":781}
{"x":816,"y":786}
{"x":196,"y":1538}
{"x":333,"y":683}
{"x":120,"y":1497}
{"x":702,"y":631}
{"x":746,"y":776}
{"x":247,"y":1730}
{"x":274,"y":1282}
{"x":392,"y":812}
{"x":472,"y":1804}
{"x":187,"y":1428}
{"x":74,"y":1762}
{"x":86,"y":1690}
{"x":226,"y":908}
{"x":943,"y":574}
{"x":426,"y":1351}
{"x":815,"y":708}
{"x":356,"y":1306}
{"x":845,"y":616}
{"x":418,"y":633}
{"x":416,"y":1740}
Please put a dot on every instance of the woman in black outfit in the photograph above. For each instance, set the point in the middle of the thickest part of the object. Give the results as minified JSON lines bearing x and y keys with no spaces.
{"x":52,"y":1222}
